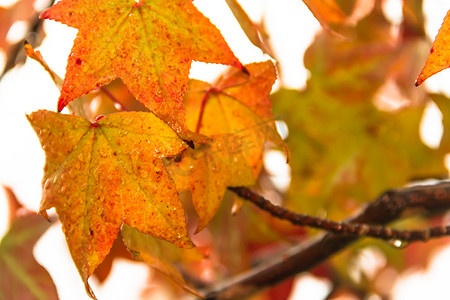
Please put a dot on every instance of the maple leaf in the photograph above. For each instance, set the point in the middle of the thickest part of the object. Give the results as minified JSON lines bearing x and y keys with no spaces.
{"x":104,"y":174}
{"x":365,"y":57}
{"x":237,"y":115}
{"x":364,"y":153}
{"x":148,"y":44}
{"x":21,"y":275}
{"x":439,"y":58}
{"x":365,"y":150}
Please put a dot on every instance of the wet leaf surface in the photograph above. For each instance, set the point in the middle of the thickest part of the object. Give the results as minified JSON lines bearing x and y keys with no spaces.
{"x":148,"y":44}
{"x":104,"y":174}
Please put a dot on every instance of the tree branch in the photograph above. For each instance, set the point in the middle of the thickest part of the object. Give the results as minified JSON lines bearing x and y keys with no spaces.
{"x":356,"y":229}
{"x":386,"y":208}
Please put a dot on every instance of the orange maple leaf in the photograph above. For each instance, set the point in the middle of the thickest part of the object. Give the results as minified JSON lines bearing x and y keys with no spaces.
{"x":439,"y":58}
{"x":148,"y":44}
{"x":104,"y":174}
{"x":237,"y":115}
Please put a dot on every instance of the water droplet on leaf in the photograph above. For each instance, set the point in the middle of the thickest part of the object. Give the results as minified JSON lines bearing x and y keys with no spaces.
{"x":143,"y":173}
{"x":80,"y":157}
{"x":399,"y":244}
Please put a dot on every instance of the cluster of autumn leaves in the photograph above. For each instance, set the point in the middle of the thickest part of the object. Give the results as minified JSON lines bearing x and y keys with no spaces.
{"x":128,"y":167}
{"x":124,"y":171}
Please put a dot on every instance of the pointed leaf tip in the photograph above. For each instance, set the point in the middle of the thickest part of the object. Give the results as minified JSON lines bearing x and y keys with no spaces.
{"x":190,"y":144}
{"x":439,"y":57}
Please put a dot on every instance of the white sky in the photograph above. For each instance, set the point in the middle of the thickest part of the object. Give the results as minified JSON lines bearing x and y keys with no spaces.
{"x":29,"y":88}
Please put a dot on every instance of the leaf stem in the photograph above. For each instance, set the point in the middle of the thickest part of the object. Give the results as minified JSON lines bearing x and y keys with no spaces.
{"x":202,"y":107}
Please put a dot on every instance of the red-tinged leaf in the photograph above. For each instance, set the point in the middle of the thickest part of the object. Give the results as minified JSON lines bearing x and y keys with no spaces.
{"x":104,"y":174}
{"x":21,"y":277}
{"x":13,"y":204}
{"x":237,"y":115}
{"x":160,"y":255}
{"x":148,"y":44}
{"x":439,"y":58}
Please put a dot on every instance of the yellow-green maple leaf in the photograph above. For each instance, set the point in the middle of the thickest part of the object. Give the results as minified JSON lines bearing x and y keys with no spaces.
{"x":104,"y":174}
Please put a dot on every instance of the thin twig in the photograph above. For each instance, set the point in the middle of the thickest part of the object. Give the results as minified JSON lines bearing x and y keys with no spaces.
{"x":386,"y":208}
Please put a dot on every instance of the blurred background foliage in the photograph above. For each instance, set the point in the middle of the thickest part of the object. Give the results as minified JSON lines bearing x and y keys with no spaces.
{"x":353,"y":132}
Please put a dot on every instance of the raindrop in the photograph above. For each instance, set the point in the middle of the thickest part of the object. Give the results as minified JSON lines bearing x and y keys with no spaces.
{"x":55,"y":179}
{"x":62,"y":189}
{"x":80,"y":157}
{"x":399,"y":244}
{"x":128,"y":121}
{"x":47,"y":184}
{"x":143,"y":173}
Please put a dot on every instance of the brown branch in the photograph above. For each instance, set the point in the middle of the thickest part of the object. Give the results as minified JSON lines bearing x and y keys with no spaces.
{"x":386,"y":208}
{"x":356,"y":229}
